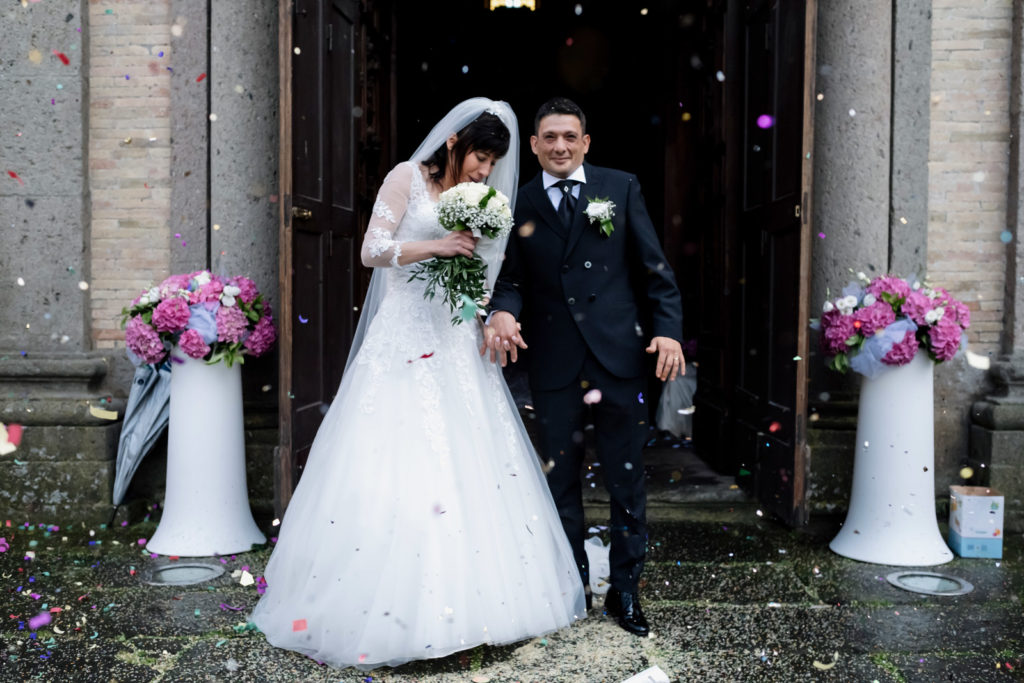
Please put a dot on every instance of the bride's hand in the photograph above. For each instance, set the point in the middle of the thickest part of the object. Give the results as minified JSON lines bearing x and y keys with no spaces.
{"x":455,"y":243}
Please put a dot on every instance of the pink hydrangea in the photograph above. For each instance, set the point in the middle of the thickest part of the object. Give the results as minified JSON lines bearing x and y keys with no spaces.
{"x":231,"y":324}
{"x":959,"y":312}
{"x":836,"y":328}
{"x":171,"y":315}
{"x":191,"y":342}
{"x":144,"y":341}
{"x":944,"y":338}
{"x":877,"y":316}
{"x":917,"y":306}
{"x":892,"y":285}
{"x":262,"y":338}
{"x":211,"y":291}
{"x":172,"y":285}
{"x":248,"y":287}
{"x":902,"y":352}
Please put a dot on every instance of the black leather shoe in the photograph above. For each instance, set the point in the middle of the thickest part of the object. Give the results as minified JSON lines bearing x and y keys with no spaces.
{"x":626,"y":607}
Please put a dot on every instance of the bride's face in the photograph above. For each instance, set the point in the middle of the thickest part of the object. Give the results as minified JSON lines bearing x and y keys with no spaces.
{"x":477,"y":165}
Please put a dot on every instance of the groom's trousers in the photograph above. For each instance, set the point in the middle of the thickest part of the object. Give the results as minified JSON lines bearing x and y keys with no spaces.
{"x":620,"y":427}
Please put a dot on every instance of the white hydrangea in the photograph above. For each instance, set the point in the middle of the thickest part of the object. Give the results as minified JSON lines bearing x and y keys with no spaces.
{"x":869,"y":299}
{"x":828,"y":307}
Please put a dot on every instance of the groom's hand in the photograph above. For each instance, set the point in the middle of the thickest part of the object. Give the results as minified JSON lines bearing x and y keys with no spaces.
{"x":503,"y":338}
{"x":670,"y":358}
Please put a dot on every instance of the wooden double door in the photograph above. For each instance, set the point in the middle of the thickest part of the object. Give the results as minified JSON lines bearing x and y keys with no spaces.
{"x":735,"y":203}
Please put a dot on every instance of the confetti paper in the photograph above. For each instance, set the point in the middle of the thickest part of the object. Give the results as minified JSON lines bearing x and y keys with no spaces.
{"x":102,"y":414}
{"x":10,"y":438}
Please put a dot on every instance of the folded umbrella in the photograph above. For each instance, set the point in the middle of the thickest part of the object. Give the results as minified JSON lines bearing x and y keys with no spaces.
{"x":144,"y":420}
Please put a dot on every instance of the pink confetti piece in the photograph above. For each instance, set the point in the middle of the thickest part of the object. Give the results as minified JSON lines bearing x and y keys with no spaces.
{"x":62,"y":57}
{"x":16,"y":177}
{"x":41,"y":619}
{"x":4,"y":545}
{"x":200,"y":77}
{"x":299,"y":625}
{"x":14,"y":434}
{"x":426,"y":355}
{"x":225,"y":606}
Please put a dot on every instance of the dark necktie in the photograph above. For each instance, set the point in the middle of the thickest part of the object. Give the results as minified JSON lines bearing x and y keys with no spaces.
{"x":566,"y":207}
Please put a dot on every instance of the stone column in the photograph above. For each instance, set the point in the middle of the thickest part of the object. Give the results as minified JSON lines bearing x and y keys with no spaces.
{"x":852,"y":142}
{"x":997,"y":432}
{"x":911,"y":114}
{"x":51,"y":381}
{"x":852,"y":159}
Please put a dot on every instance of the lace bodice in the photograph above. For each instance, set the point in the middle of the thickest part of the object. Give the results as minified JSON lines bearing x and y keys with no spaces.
{"x":411,"y":333}
{"x":403,"y":212}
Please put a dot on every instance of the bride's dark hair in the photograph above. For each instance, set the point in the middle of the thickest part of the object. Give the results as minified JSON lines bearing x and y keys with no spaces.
{"x":487,"y":133}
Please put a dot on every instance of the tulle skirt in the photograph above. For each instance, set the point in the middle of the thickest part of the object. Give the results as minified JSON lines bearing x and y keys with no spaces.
{"x":422,"y":524}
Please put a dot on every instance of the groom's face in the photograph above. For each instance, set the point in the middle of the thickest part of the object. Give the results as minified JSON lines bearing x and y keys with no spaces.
{"x":560,"y":144}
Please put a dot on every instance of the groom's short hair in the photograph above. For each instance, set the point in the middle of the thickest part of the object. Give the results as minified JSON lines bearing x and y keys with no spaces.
{"x":560,"y":105}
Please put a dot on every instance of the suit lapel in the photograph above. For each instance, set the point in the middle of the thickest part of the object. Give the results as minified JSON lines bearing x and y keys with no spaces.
{"x":539,"y":198}
{"x":592,"y":188}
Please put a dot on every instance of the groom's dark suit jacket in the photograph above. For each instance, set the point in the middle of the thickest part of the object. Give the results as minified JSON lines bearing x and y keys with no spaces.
{"x":578,"y":289}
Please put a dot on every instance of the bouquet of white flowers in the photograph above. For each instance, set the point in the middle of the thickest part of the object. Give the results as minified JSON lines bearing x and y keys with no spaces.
{"x":486,"y":213}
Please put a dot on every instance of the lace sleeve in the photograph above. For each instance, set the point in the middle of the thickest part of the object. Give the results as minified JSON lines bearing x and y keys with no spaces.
{"x":380,"y":248}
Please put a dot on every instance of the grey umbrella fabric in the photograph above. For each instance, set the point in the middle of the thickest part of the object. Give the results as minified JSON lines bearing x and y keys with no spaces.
{"x":145,"y":417}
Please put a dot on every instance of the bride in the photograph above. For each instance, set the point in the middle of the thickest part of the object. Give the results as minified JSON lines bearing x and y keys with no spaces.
{"x":422,"y":524}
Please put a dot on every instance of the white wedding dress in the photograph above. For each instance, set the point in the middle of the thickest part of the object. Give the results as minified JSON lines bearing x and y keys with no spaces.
{"x":422,"y":524}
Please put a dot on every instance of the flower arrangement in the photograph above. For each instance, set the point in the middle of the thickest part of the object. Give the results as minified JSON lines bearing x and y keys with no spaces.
{"x":601,"y":210}
{"x":208,"y":317}
{"x":486,"y":213}
{"x":883,"y":322}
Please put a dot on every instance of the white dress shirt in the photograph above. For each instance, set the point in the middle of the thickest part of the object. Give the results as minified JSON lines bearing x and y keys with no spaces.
{"x":554,"y":193}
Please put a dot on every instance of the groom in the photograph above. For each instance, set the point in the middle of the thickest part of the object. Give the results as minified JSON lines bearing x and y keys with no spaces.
{"x":585,"y":300}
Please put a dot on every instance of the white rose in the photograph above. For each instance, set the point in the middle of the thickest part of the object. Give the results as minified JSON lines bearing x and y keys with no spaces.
{"x":935,"y":315}
{"x":846,"y":304}
{"x":828,"y":307}
{"x":144,"y":299}
{"x":869,"y":299}
{"x":473,"y":193}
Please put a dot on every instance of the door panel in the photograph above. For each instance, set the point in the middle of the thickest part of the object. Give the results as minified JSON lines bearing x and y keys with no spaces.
{"x":753,"y":388}
{"x":327,"y":84}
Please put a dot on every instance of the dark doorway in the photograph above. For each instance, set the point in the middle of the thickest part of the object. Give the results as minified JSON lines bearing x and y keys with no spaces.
{"x":642,"y":73}
{"x":673,"y":91}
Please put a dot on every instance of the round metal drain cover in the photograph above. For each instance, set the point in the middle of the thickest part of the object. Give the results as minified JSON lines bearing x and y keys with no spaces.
{"x":182,"y":574}
{"x":929,"y":583}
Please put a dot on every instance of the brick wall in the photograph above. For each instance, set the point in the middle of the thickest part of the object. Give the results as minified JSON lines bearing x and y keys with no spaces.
{"x":968,"y":162}
{"x":129,"y":155}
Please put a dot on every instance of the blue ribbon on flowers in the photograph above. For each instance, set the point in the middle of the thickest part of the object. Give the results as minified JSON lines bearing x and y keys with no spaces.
{"x":856,"y":290}
{"x":203,"y":319}
{"x":868,"y":360}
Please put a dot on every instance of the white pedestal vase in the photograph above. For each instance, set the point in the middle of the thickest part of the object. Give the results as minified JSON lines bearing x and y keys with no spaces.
{"x":891,"y":518}
{"x":206,"y":506}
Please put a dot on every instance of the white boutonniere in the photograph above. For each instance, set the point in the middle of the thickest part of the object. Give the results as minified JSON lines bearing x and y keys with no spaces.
{"x":600,"y":210}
